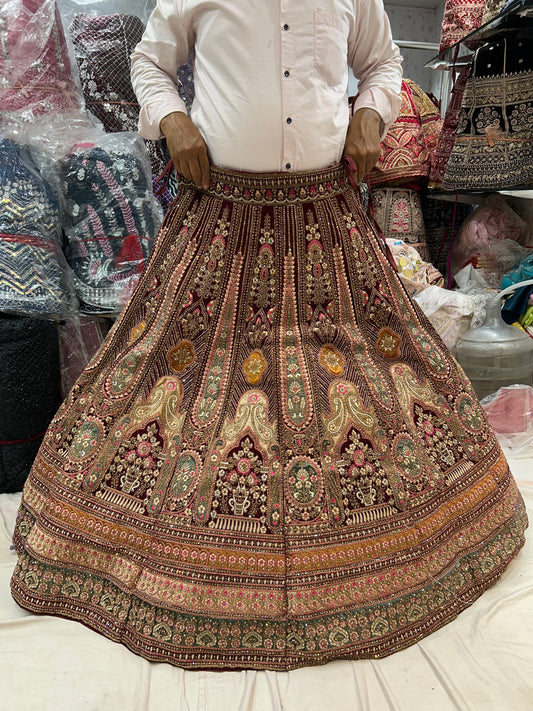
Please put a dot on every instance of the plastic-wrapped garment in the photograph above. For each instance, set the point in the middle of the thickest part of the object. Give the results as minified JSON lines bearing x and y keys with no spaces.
{"x":398,"y":211}
{"x":140,"y":8}
{"x":450,"y":312}
{"x":446,"y":137}
{"x":33,"y":272}
{"x":472,"y":283}
{"x":510,"y":412}
{"x":103,"y":45}
{"x":35,"y":67}
{"x":408,"y":147}
{"x":80,"y":338}
{"x":415,"y":273}
{"x":493,"y":146}
{"x":490,"y":240}
{"x":112,"y":218}
{"x":460,"y":18}
{"x":29,"y":393}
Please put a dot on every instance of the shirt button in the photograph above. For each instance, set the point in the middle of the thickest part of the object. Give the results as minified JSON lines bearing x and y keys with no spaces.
{"x":288,"y":166}
{"x":286,"y":73}
{"x":289,"y":120}
{"x":285,"y":27}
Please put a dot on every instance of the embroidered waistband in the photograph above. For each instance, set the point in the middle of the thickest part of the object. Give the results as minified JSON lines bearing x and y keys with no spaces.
{"x":276,"y":188}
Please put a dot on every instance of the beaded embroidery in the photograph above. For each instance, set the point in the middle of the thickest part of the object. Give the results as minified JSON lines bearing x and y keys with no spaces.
{"x":317,"y":482}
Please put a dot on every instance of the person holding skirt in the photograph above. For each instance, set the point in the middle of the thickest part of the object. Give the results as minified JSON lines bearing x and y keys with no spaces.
{"x":273,"y":461}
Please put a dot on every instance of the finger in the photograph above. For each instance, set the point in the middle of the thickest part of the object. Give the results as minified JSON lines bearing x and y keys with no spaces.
{"x":183,"y":169}
{"x":195,"y":171}
{"x":204,"y":169}
{"x":360,"y":170}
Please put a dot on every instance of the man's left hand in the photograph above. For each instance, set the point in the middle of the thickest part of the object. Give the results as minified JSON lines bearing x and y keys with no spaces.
{"x":363,"y":141}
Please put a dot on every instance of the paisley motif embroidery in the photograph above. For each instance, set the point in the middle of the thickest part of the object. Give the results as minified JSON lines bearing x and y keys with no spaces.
{"x":86,"y":439}
{"x":136,"y":332}
{"x":296,"y":395}
{"x":248,"y":480}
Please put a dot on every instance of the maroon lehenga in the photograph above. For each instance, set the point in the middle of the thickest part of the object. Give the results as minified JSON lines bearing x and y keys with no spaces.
{"x":272,"y":461}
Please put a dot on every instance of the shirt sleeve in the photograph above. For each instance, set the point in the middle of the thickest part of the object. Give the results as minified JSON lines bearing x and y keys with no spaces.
{"x":164,"y":47}
{"x":376,"y":61}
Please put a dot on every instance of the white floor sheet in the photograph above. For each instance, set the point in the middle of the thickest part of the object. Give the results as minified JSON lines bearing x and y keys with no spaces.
{"x":482,"y":661}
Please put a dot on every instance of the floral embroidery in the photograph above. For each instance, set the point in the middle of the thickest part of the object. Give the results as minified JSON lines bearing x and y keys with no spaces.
{"x":254,"y":367}
{"x":287,"y":498}
{"x":388,"y":343}
{"x":181,"y":357}
{"x":331,"y":359}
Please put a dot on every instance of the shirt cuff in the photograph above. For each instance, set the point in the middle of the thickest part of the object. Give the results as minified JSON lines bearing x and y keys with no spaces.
{"x":382,"y":100}
{"x":151,"y":114}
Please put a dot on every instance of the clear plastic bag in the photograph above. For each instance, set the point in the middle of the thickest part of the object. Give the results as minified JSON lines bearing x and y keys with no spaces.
{"x":34,"y":277}
{"x":37,"y":72}
{"x":490,"y":240}
{"x":139,"y":8}
{"x":109,"y":213}
{"x":450,"y":312}
{"x":510,"y":412}
{"x":80,"y":338}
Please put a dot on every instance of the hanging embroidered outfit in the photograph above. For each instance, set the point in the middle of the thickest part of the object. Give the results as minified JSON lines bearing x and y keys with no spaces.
{"x":493,"y":146}
{"x":273,"y":461}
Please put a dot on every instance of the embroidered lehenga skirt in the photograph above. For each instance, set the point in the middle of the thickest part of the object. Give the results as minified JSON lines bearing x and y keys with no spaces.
{"x":272,"y":461}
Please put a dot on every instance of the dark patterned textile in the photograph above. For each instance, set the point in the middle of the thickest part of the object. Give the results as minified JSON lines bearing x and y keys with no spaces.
{"x":446,"y":137}
{"x":493,"y":146}
{"x":29,"y":393}
{"x":442,"y":220}
{"x":35,"y":69}
{"x":186,"y":81}
{"x":273,"y":461}
{"x":112,"y":225}
{"x":31,"y":279}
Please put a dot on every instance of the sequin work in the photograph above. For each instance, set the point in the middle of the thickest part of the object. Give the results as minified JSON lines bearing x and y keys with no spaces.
{"x":273,"y":461}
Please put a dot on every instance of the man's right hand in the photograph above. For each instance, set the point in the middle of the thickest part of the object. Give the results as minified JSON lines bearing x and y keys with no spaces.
{"x":187,"y":148}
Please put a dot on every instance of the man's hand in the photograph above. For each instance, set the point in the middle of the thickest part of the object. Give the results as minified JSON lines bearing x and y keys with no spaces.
{"x":187,"y":148}
{"x":362,"y":141}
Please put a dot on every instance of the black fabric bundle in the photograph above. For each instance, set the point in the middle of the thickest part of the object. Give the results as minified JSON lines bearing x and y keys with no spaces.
{"x":29,"y":393}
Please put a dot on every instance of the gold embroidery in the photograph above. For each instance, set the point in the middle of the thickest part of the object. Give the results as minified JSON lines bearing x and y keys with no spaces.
{"x":254,"y":367}
{"x":331,"y":359}
{"x":181,"y":356}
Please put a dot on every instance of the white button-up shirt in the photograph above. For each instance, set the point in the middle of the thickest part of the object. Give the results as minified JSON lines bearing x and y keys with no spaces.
{"x":270,"y":76}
